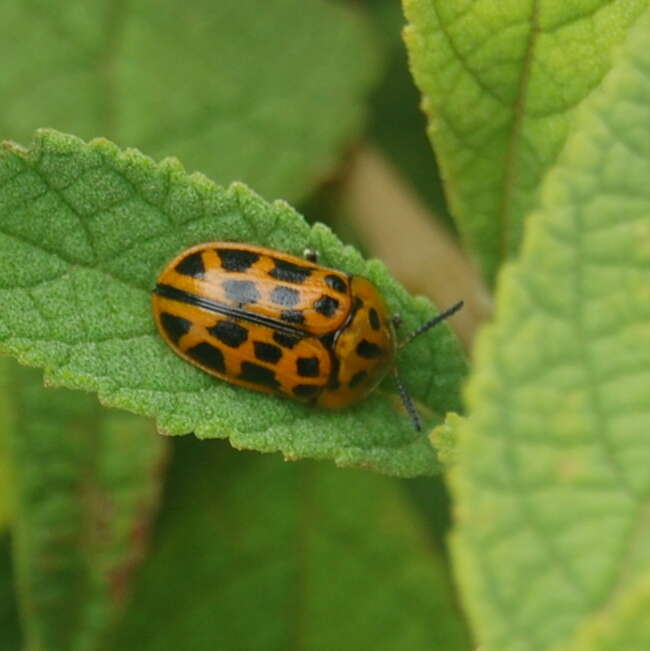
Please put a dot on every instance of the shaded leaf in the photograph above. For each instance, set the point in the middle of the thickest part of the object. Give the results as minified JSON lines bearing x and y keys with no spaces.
{"x":268,"y":93}
{"x":253,"y":553}
{"x":87,"y":483}
{"x":396,"y":123}
{"x":10,"y":638}
{"x":501,"y":83}
{"x":97,"y":225}
{"x":552,"y":477}
{"x":6,"y":480}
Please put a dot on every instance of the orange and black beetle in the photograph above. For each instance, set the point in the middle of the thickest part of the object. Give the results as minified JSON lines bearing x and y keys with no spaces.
{"x":277,"y":323}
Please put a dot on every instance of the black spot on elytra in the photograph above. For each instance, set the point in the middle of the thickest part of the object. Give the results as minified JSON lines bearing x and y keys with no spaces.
{"x":231,"y":334}
{"x":306,"y":390}
{"x":192,"y":265}
{"x":358,"y":378}
{"x":174,"y":326}
{"x":336,"y":283}
{"x":368,"y":350}
{"x":308,"y":366}
{"x":267,"y":352}
{"x":285,"y":340}
{"x":375,"y":323}
{"x":256,"y":374}
{"x":285,"y":296}
{"x":326,"y":305}
{"x":288,"y":272}
{"x":292,"y":316}
{"x":237,"y":259}
{"x":241,"y":291}
{"x":208,"y":355}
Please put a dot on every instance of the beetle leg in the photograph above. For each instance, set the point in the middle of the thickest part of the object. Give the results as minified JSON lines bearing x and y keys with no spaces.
{"x":311,"y":255}
{"x":407,"y":401}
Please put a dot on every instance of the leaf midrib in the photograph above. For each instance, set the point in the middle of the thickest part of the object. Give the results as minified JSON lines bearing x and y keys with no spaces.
{"x":514,"y":139}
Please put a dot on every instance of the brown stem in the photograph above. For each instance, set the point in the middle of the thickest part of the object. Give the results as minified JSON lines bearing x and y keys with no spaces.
{"x":399,"y":229}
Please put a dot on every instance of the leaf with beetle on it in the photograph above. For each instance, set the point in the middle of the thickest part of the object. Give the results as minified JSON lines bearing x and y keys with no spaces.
{"x":98,"y":224}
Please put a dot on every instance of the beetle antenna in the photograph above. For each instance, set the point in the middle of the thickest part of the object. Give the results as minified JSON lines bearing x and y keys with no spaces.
{"x":407,"y":401}
{"x":430,"y":324}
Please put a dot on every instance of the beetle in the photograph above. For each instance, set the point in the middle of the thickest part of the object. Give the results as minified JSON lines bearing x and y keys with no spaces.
{"x":278,"y":323}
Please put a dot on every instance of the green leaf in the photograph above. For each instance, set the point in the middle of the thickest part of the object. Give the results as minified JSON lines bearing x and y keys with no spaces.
{"x":444,"y":437}
{"x":551,"y":479}
{"x":268,"y":93}
{"x":87,"y":484}
{"x":97,"y":225}
{"x":501,"y":83}
{"x":253,"y":553}
{"x":623,"y":626}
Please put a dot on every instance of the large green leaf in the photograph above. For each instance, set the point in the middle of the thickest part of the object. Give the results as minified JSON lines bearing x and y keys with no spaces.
{"x":501,"y":82}
{"x":85,"y":229}
{"x":86,"y":486}
{"x":623,"y":626}
{"x":552,"y":478}
{"x":256,"y":554}
{"x":267,"y":92}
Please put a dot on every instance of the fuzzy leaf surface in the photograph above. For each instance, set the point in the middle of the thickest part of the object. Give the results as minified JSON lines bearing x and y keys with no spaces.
{"x":551,"y":476}
{"x":501,"y":82}
{"x":624,"y":625}
{"x":97,"y":225}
